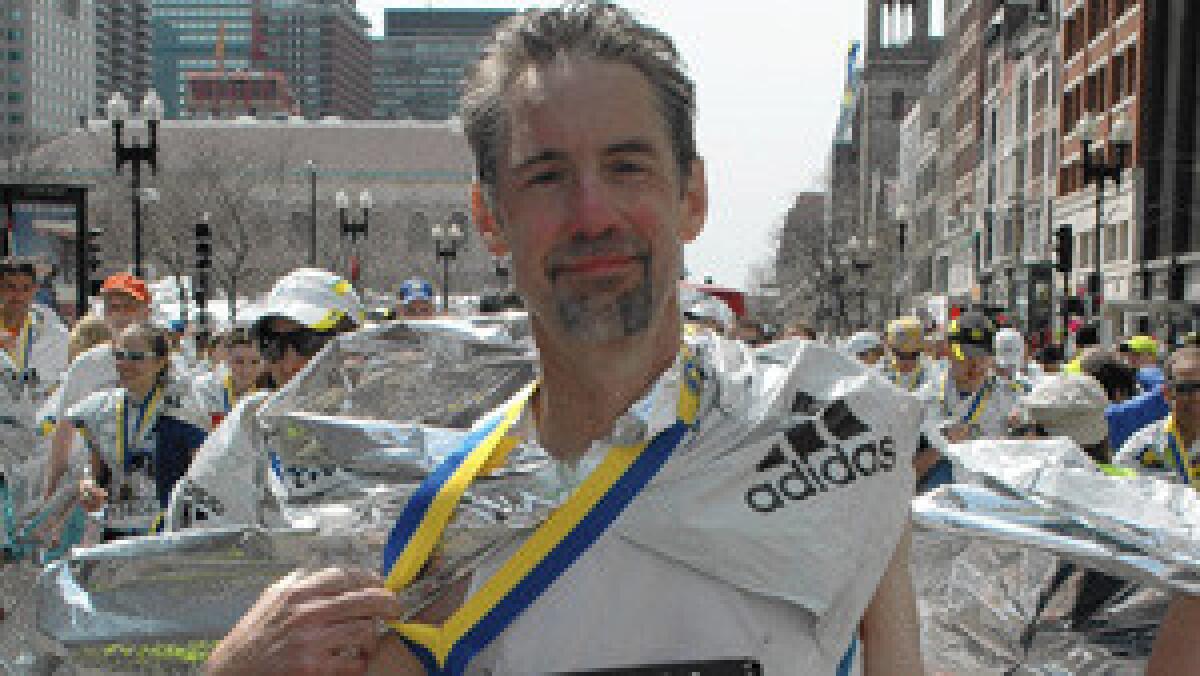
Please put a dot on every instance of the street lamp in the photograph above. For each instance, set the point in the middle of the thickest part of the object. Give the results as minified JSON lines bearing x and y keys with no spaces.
{"x":351,"y":228}
{"x":447,"y":240}
{"x":860,"y":259}
{"x":136,"y":154}
{"x":1096,"y":171}
{"x":312,"y":214}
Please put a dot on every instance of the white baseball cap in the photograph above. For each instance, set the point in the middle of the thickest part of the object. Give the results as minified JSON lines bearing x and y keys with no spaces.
{"x":863,"y":341}
{"x":1009,"y":347}
{"x":318,"y":299}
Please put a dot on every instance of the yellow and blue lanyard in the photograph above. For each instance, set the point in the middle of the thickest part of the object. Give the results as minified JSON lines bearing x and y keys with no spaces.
{"x":227,"y":393}
{"x":568,"y":532}
{"x":1183,"y":463}
{"x":143,"y":424}
{"x":978,"y":403}
{"x":909,"y":381}
{"x":24,"y":346}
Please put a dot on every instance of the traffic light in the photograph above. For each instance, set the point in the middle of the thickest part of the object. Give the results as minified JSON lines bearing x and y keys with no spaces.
{"x":203,"y":265}
{"x":1063,"y":248}
{"x":95,"y":260}
{"x":1176,"y":282}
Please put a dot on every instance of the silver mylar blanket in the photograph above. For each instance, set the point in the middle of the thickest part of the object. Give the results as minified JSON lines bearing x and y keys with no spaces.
{"x":999,"y":562}
{"x":385,"y":406}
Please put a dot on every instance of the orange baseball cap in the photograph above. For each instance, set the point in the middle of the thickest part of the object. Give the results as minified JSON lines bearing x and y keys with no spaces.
{"x":123,"y":282}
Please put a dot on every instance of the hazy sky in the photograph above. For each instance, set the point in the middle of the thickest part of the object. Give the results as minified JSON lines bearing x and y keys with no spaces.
{"x":769,"y":75}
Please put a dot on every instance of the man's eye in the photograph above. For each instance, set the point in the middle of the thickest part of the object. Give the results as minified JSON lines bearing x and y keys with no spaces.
{"x":546,"y":177}
{"x":628,"y":168}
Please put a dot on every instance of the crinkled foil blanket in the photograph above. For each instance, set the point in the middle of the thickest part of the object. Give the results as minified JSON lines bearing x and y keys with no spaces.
{"x":1035,"y":564}
{"x":1039,"y":564}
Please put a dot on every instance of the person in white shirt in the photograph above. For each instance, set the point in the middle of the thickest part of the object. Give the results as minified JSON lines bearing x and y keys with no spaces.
{"x":720,"y":541}
{"x":124,"y":301}
{"x":236,"y":479}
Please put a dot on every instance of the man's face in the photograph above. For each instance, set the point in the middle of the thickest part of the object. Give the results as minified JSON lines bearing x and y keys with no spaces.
{"x":590,"y":204}
{"x":17,"y":290}
{"x":245,"y":365}
{"x":417,"y":309}
{"x":905,"y":360}
{"x":872,"y":356}
{"x":970,"y":369}
{"x":288,"y":361}
{"x":1185,"y":405}
{"x":122,"y":309}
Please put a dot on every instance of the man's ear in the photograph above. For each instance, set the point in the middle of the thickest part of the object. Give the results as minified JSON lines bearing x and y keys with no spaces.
{"x":695,"y":202}
{"x":485,"y":220}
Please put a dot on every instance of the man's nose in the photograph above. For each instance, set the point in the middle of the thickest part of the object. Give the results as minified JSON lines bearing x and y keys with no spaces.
{"x":593,"y":204}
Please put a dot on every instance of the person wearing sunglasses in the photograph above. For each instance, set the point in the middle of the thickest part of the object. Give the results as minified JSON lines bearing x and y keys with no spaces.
{"x":236,"y":479}
{"x":140,"y":435}
{"x":905,"y":365}
{"x":1170,"y":448}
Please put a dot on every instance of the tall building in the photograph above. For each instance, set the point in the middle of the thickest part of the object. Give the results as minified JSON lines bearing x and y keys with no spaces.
{"x":323,"y":48}
{"x":420,"y":63}
{"x":123,"y":50}
{"x":48,"y":81}
{"x":1103,"y":80}
{"x":1168,"y":298}
{"x":195,"y":36}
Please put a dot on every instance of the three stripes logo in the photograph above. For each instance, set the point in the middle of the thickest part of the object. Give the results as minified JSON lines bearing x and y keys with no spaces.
{"x":827,"y":447}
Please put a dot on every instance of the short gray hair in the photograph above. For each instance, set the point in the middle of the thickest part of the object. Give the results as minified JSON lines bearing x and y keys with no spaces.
{"x":599,"y":30}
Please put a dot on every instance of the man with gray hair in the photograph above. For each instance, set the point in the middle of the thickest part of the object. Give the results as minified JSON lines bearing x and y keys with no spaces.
{"x":724,"y":508}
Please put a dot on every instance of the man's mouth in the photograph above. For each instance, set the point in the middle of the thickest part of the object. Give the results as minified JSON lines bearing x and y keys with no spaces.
{"x":596,"y":266}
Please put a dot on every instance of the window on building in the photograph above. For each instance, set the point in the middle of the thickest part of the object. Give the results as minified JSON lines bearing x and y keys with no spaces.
{"x":16,"y":118}
{"x":15,"y":55}
{"x":1131,"y":68}
{"x":14,"y":97}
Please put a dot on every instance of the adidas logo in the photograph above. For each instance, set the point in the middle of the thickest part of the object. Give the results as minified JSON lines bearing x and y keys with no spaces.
{"x":819,"y":459}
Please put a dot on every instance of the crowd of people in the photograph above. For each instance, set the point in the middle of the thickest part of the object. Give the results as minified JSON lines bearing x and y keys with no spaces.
{"x":675,"y":549}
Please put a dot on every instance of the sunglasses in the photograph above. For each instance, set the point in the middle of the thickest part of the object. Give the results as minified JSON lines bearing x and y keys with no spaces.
{"x":907,"y":356}
{"x":305,"y":342}
{"x":1185,"y":387}
{"x":134,"y":355}
{"x":1027,"y":430}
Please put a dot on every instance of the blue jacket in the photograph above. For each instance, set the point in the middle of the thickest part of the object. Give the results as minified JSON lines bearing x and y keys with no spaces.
{"x":1130,"y":416}
{"x":1150,"y":377}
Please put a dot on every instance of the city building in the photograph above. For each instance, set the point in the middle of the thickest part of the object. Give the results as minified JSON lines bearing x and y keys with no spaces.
{"x":323,"y":48}
{"x":1168,"y":172}
{"x":422,"y":59}
{"x":1016,"y":174}
{"x":48,"y":81}
{"x":123,"y":50}
{"x":1103,"y":87}
{"x":242,"y":93}
{"x":194,"y":36}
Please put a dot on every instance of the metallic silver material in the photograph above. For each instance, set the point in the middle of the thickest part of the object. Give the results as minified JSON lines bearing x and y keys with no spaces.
{"x":1044,"y":565}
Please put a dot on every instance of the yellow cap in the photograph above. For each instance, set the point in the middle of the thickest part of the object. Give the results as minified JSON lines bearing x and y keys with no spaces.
{"x":906,"y":334}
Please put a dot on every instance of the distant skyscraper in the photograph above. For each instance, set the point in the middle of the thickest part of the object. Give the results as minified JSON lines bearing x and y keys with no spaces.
{"x":123,"y":50}
{"x":186,"y":38}
{"x":323,"y":48}
{"x":420,"y":63}
{"x":48,"y":80}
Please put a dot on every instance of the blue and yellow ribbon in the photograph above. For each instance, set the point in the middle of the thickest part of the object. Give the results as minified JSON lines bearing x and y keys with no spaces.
{"x":227,"y":392}
{"x":149,"y":413}
{"x":569,"y":531}
{"x":24,"y":345}
{"x":1183,"y":463}
{"x":978,"y":403}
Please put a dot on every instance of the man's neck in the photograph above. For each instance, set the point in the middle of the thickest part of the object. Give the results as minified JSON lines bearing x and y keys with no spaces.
{"x":138,"y":391}
{"x":585,"y":390}
{"x":1187,"y":430}
{"x":967,"y":386}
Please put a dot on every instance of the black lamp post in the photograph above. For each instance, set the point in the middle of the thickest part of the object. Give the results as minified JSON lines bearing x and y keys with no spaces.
{"x":447,"y":240}
{"x":860,"y":259}
{"x":1096,"y":171}
{"x":353,"y":229}
{"x":136,"y":154}
{"x":312,"y":214}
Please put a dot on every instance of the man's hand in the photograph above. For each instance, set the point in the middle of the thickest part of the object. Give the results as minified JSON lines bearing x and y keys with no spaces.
{"x":322,"y":623}
{"x":957,"y":434}
{"x":91,"y":496}
{"x":8,"y":342}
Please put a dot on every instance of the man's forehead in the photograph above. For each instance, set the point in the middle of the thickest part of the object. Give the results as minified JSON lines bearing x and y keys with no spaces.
{"x":575,"y":98}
